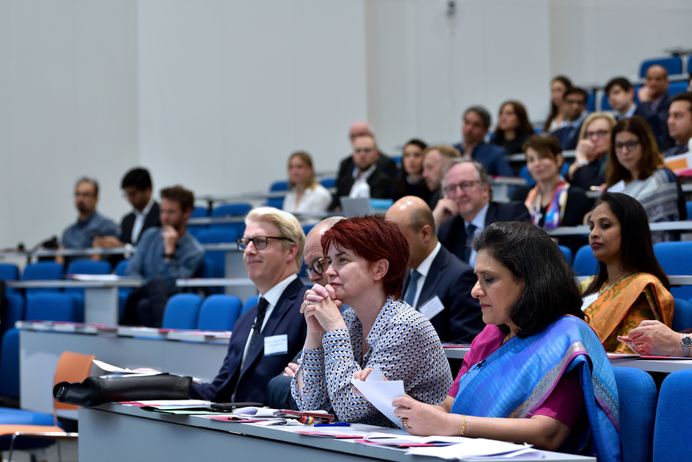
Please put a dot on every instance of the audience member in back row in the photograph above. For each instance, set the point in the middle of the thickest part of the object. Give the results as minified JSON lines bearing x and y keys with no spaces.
{"x":553,"y":202}
{"x":620,"y":94}
{"x":513,"y":127}
{"x":654,"y":102}
{"x":680,"y":123}
{"x":409,"y":181}
{"x":438,"y":283}
{"x":630,"y":285}
{"x":558,"y":86}
{"x":358,"y":166}
{"x":137,"y":188}
{"x":90,"y":224}
{"x":163,"y":255}
{"x":537,"y":372}
{"x":635,"y":167}
{"x":476,"y":123}
{"x":366,"y":266}
{"x":652,"y":337}
{"x":573,"y":111}
{"x":588,"y":169}
{"x":436,"y":159}
{"x":307,"y":195}
{"x":269,"y":335}
{"x":466,"y":208}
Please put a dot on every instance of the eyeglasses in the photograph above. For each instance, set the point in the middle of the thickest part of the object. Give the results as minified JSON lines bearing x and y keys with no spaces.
{"x":319,"y":266}
{"x":596,"y":133}
{"x":630,"y":145}
{"x":464,"y":186}
{"x":260,"y":242}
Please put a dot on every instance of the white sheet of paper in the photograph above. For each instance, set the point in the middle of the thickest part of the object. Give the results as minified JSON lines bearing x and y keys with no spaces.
{"x":381,"y":393}
{"x":432,"y":308}
{"x":478,"y":447}
{"x":276,"y":345}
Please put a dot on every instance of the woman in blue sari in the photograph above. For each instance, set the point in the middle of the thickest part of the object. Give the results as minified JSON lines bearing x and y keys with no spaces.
{"x":537,"y":373}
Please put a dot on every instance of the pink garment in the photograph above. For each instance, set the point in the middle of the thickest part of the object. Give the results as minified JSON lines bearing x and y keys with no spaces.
{"x":565,"y":403}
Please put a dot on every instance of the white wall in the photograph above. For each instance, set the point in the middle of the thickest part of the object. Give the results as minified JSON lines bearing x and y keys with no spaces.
{"x":215,"y":94}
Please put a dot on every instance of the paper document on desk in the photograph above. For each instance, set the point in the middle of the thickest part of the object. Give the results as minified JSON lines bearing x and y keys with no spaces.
{"x":110,"y":368}
{"x":380,"y":392}
{"x":478,"y":449}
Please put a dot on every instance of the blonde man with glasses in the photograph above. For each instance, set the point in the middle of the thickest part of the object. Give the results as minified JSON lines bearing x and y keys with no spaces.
{"x":269,"y":335}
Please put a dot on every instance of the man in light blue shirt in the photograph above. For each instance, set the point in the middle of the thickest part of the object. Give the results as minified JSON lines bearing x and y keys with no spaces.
{"x":90,"y":224}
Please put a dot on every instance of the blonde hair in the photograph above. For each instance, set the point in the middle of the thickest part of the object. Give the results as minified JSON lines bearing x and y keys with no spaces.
{"x":289,"y":226}
{"x":608,"y":117}
{"x":305,"y":157}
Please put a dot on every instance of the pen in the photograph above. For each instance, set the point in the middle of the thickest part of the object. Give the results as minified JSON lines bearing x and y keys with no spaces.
{"x":333,"y":424}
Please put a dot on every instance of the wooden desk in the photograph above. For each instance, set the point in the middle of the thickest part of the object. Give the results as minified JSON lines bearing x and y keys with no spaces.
{"x":114,"y":432}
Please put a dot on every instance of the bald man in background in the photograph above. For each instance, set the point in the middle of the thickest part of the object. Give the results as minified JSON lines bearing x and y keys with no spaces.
{"x":438,"y":284}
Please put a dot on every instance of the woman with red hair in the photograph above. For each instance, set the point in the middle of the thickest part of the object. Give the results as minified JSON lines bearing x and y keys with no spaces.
{"x":365,"y":266}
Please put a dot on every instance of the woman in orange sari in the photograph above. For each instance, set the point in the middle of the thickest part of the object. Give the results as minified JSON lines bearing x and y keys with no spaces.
{"x":630,"y":285}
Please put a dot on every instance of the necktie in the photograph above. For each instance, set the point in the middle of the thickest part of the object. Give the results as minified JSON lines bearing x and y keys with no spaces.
{"x":470,"y":230}
{"x":412,"y":288}
{"x":257,"y":326}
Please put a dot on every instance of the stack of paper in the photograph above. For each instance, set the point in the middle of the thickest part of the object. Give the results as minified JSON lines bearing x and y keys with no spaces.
{"x":478,"y":448}
{"x":381,"y":392}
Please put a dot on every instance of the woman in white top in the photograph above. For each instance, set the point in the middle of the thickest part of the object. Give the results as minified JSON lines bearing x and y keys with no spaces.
{"x":306,"y":194}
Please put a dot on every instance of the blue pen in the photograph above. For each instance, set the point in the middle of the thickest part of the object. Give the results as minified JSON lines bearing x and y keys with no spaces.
{"x":333,"y":424}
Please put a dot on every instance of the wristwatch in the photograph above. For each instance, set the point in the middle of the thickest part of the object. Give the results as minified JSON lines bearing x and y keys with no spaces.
{"x":686,"y":343}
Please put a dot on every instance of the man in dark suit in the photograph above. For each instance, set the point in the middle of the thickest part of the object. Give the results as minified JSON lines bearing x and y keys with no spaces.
{"x":467,"y":209}
{"x":475,"y":126}
{"x":438,"y":284}
{"x":268,"y":336}
{"x":573,"y":110}
{"x":435,"y":161}
{"x":654,"y":103}
{"x":365,"y":166}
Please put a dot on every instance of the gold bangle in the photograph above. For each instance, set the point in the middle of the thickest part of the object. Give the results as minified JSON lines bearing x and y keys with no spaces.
{"x":462,"y":431}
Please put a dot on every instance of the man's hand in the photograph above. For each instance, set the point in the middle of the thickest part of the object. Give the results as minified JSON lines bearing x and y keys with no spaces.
{"x":445,"y":209}
{"x":170,"y":238}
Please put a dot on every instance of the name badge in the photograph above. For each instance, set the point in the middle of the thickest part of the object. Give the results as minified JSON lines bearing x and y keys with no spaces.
{"x":432,"y":307}
{"x":276,"y":345}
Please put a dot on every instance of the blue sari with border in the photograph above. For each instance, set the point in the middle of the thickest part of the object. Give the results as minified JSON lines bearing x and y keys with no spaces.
{"x":519,"y":376}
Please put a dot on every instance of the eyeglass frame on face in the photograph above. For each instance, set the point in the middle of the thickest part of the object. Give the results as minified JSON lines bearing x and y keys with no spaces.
{"x":464,"y":186}
{"x":596,"y":133}
{"x":629,"y":144}
{"x":243,"y":242}
{"x":318,"y":267}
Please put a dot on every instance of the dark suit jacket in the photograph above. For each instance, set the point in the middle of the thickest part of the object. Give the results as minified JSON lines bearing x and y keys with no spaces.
{"x":380,"y":181}
{"x":568,"y":137}
{"x":250,"y":383}
{"x":492,"y":157}
{"x":150,"y":220}
{"x":658,"y":120}
{"x":451,"y":280}
{"x":452,"y":233}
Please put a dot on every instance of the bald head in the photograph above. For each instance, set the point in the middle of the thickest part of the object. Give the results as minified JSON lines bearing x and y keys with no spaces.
{"x":360,"y":128}
{"x":313,"y":247}
{"x":416,"y":222}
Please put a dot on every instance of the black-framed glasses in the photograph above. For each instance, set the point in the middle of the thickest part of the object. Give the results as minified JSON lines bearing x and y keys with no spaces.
{"x":319,"y":266}
{"x":260,"y":242}
{"x":630,"y":145}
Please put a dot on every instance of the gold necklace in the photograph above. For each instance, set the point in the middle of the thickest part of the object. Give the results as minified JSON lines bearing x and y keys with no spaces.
{"x":610,"y":286}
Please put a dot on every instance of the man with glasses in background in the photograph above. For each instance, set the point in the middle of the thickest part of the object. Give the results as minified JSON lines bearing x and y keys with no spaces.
{"x":573,"y":109}
{"x":269,"y":335}
{"x":466,"y":208}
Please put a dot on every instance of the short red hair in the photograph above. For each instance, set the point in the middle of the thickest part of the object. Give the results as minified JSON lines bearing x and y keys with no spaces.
{"x":373,"y":238}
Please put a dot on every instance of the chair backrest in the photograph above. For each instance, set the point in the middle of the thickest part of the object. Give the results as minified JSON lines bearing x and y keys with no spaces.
{"x":249,"y":303}
{"x":328,"y":182}
{"x":199,"y":212}
{"x":182,"y":311}
{"x":675,"y":257}
{"x":567,"y":253}
{"x":121,"y":267}
{"x":9,"y":272}
{"x":673,"y":417}
{"x":72,"y":367}
{"x":238,"y":209}
{"x":88,"y":266}
{"x":9,"y":364}
{"x":276,"y":202}
{"x":51,"y":306}
{"x":584,"y":262}
{"x":682,"y":316}
{"x":672,"y":64}
{"x":279,"y":185}
{"x":42,"y":271}
{"x":15,"y":311}
{"x":219,"y":312}
{"x":637,"y":397}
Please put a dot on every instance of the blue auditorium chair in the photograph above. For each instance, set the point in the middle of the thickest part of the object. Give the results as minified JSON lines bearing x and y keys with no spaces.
{"x":279,"y":185}
{"x":637,"y":396}
{"x":675,"y":88}
{"x":215,"y":260}
{"x":675,"y":257}
{"x":672,"y":64}
{"x":237,"y":210}
{"x":9,"y":272}
{"x":567,"y":253}
{"x":182,"y":311}
{"x":52,"y":306}
{"x":672,"y":441}
{"x":42,"y":271}
{"x":123,"y":292}
{"x":682,"y":316}
{"x":219,"y":312}
{"x":85,"y":266}
{"x":9,"y":364}
{"x":584,"y":263}
{"x":328,"y":182}
{"x":250,"y":303}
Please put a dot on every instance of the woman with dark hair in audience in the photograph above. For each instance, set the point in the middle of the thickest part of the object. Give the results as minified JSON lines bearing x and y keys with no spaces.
{"x":410,"y":180}
{"x":365,"y":266}
{"x":588,"y":169}
{"x":513,"y":127}
{"x":635,"y":167}
{"x":537,"y":372}
{"x":558,"y":86}
{"x":306,"y":194}
{"x":630,"y":285}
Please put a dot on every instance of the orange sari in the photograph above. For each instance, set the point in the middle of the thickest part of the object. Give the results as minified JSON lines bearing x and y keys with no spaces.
{"x":621,"y":307}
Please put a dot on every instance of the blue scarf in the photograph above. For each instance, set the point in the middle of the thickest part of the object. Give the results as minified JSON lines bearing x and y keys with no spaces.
{"x":516,"y":379}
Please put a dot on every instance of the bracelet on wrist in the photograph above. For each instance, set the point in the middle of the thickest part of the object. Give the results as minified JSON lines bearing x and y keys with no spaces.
{"x":462,"y":430}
